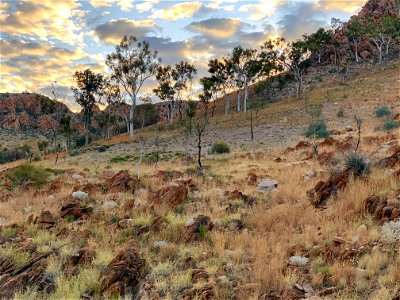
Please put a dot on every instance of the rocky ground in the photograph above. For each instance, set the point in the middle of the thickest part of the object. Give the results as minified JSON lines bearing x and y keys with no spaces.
{"x":273,"y":219}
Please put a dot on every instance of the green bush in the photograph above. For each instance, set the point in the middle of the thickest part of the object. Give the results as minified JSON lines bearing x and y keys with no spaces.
{"x":118,"y":158}
{"x":390,"y":125}
{"x":382,"y":111}
{"x":359,"y":163}
{"x":340,"y":113}
{"x":115,"y":219}
{"x":318,"y":130}
{"x":36,"y":157}
{"x":28,"y":174}
{"x":220,"y":147}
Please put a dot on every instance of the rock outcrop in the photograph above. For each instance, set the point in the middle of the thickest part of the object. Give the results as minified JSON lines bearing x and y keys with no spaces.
{"x":124,"y":272}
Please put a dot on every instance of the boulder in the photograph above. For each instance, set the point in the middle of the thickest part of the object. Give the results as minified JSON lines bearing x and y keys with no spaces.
{"x":170,"y":196}
{"x":126,"y":223}
{"x":73,"y":208}
{"x":298,"y":260}
{"x":195,"y":228}
{"x":45,"y":220}
{"x":267,"y":185}
{"x":382,"y":209}
{"x":199,"y":274}
{"x":239,"y":195}
{"x":79,"y":195}
{"x":84,"y":256}
{"x":389,"y":162}
{"x":90,"y":188}
{"x":121,"y":182}
{"x":124,"y":272}
{"x":324,"y":189}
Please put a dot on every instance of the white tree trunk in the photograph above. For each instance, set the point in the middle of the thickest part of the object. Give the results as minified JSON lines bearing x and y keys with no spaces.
{"x":245,"y":97}
{"x":238,"y":100}
{"x":357,"y":59}
{"x":131,"y":111}
{"x":226,"y":104}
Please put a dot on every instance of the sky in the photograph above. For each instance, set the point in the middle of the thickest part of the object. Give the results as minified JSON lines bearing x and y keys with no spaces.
{"x":43,"y":42}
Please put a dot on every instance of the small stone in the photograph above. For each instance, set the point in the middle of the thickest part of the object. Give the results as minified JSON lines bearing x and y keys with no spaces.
{"x":126,"y":223}
{"x":79,"y":195}
{"x":110,"y":204}
{"x":77,"y":176}
{"x":267,"y":185}
{"x":298,"y":260}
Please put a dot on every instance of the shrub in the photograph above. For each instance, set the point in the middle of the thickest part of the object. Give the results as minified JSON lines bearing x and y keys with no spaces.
{"x":390,"y":125}
{"x":220,"y":147}
{"x":382,"y":111}
{"x":340,"y":113}
{"x":36,"y":157}
{"x":28,"y":174}
{"x":359,"y":163}
{"x":318,"y":130}
{"x":115,"y":219}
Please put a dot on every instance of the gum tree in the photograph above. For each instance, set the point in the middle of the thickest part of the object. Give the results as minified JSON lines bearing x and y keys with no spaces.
{"x":132,"y":64}
{"x":88,"y":86}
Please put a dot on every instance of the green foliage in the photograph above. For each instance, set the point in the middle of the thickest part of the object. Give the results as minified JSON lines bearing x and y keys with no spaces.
{"x":382,"y":111}
{"x":48,"y":106}
{"x":28,"y":174}
{"x":340,"y":113}
{"x":220,"y":147}
{"x":202,"y":231}
{"x":115,"y":219}
{"x":317,"y":130}
{"x":70,"y":218}
{"x":42,"y":145}
{"x":390,"y":125}
{"x":359,"y":163}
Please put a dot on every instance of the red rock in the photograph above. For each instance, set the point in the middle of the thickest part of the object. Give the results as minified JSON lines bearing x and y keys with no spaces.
{"x":170,"y":196}
{"x":330,"y":141}
{"x":380,"y":208}
{"x":302,"y":144}
{"x":391,"y":161}
{"x":121,"y":182}
{"x":73,"y":208}
{"x":323,"y":190}
{"x":124,"y":272}
{"x":84,"y":256}
{"x":192,"y":229}
{"x":239,"y":195}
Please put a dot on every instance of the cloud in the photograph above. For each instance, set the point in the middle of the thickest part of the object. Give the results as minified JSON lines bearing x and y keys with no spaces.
{"x":261,"y":10}
{"x":304,"y":18}
{"x":177,"y":11}
{"x":216,"y":28}
{"x":45,"y":20}
{"x":125,"y":5}
{"x":113,"y":31}
{"x":217,"y":5}
{"x":17,"y":48}
{"x":146,"y":5}
{"x":349,"y":6}
{"x":33,"y":66}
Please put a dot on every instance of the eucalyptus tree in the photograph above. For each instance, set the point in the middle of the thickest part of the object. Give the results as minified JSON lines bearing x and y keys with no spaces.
{"x":295,"y":57}
{"x":113,"y":96}
{"x":173,"y":84}
{"x":132,"y":64}
{"x":355,"y":31}
{"x":88,"y":86}
{"x":221,"y":74}
{"x":318,"y":41}
{"x":211,"y":92}
{"x":246,"y":66}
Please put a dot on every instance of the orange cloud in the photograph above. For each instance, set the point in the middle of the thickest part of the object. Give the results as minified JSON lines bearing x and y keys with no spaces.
{"x":177,"y":11}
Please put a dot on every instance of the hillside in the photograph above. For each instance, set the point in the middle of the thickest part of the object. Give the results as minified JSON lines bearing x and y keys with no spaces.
{"x":265,"y":221}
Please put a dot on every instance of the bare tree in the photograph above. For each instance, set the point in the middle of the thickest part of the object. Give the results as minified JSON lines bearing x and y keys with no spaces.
{"x":200,"y":126}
